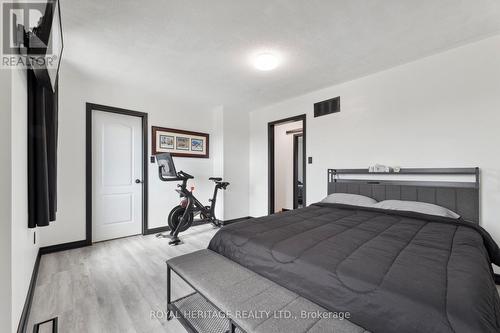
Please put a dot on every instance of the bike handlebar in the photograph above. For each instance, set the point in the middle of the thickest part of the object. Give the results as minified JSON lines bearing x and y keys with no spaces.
{"x":182,"y":174}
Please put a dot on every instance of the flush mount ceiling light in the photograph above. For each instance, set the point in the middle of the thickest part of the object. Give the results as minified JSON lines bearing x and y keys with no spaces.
{"x":266,"y":61}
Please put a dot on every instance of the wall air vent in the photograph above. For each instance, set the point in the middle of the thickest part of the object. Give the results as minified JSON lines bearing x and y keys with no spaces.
{"x":327,"y":107}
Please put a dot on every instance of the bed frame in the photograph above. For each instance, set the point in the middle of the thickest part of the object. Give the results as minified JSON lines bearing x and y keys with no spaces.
{"x":459,"y":196}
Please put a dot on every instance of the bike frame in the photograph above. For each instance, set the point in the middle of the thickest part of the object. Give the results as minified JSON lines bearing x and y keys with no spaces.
{"x":195,"y":206}
{"x":191,"y":205}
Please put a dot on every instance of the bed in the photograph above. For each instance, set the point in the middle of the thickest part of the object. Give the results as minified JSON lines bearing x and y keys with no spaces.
{"x":393,"y":271}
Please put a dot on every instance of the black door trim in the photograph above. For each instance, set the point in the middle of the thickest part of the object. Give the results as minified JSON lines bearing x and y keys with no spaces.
{"x":88,"y":164}
{"x":270,"y":149}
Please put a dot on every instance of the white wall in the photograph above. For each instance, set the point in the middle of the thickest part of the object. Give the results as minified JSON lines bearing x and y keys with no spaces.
{"x":283,"y":165}
{"x":441,"y":111}
{"x":24,"y":251}
{"x":236,"y":163}
{"x":75,"y":90}
{"x":217,"y":152}
{"x":162,"y":195}
{"x":17,"y":250}
{"x":5,"y":202}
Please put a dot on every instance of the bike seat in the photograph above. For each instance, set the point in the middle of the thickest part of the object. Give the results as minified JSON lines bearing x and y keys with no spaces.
{"x":215,"y":179}
{"x":222,"y":185}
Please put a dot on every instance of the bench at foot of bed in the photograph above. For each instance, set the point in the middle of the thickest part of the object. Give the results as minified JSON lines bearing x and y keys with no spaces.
{"x":229,"y":297}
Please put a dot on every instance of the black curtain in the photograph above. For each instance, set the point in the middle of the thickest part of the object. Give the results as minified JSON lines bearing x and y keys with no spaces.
{"x":42,"y":152}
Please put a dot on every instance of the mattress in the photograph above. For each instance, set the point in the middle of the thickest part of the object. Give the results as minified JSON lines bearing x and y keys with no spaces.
{"x":392,"y":271}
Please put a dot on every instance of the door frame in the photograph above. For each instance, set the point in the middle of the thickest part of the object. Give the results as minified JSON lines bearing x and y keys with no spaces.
{"x":270,"y":149}
{"x":296,"y":171}
{"x":88,"y":163}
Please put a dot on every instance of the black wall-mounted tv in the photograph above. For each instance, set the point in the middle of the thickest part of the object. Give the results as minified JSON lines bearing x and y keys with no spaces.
{"x":46,"y":45}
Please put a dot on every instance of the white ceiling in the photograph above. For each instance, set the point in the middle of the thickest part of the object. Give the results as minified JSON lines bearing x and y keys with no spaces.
{"x":198,"y":51}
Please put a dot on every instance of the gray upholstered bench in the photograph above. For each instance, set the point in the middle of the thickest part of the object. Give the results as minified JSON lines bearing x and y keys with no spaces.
{"x":244,"y":300}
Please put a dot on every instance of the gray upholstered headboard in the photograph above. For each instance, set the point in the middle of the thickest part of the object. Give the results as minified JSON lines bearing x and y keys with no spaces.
{"x":460,"y":197}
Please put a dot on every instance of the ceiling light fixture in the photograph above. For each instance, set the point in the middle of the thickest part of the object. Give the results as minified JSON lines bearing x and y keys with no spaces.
{"x":266,"y":61}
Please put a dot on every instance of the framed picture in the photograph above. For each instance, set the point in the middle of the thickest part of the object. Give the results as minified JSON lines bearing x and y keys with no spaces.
{"x":197,"y":144}
{"x":167,"y":142}
{"x":182,"y":143}
{"x":179,"y":143}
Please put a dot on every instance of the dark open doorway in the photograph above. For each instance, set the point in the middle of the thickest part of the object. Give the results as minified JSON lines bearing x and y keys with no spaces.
{"x":298,"y":171}
{"x":272,"y":163}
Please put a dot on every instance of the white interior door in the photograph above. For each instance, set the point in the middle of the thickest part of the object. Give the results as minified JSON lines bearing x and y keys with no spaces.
{"x":117,"y":175}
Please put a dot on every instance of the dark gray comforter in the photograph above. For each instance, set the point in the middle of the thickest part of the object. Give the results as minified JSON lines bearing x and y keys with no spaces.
{"x":394,"y":272}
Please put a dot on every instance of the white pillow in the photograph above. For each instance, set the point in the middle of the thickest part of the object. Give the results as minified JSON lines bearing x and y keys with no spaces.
{"x":419,"y":207}
{"x":350,"y":199}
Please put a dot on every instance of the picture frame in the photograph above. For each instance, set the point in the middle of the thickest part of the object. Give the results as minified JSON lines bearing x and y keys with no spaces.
{"x":180,"y":143}
{"x":196,"y":144}
{"x":167,"y":142}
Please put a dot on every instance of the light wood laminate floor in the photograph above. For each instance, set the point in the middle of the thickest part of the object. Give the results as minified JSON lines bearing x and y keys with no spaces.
{"x":113,"y":286}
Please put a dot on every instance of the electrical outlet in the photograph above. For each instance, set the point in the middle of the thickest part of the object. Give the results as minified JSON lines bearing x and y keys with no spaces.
{"x":152,"y":159}
{"x":310,"y":160}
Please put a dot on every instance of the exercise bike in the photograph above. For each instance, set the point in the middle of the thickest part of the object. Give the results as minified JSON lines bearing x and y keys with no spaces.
{"x":181,"y":217}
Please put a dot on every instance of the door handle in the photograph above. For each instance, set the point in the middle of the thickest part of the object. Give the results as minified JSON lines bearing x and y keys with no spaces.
{"x":138,"y":181}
